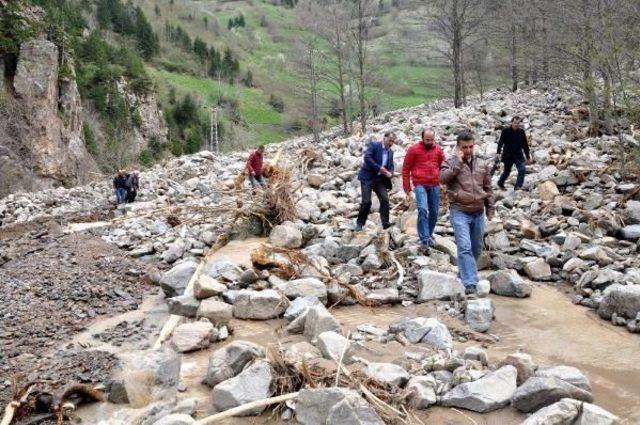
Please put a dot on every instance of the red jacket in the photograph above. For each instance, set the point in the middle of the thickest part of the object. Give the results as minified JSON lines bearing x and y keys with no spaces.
{"x":254,"y":163}
{"x":423,"y":165}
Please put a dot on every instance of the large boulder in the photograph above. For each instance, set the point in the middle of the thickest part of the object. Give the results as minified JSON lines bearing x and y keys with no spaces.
{"x":224,"y":270}
{"x":429,"y":331}
{"x":286,"y":236}
{"x":624,"y":300}
{"x":299,"y":306}
{"x":252,"y":384}
{"x":334,"y":346}
{"x":568,"y":374}
{"x":538,"y":392}
{"x":479,"y":314}
{"x":206,"y":287}
{"x":422,"y":391}
{"x":192,"y":336}
{"x":538,"y":269}
{"x":183,"y":305}
{"x":509,"y":284}
{"x":632,"y":212}
{"x":523,"y":364}
{"x":387,"y":373}
{"x":228,"y":361}
{"x":318,"y":320}
{"x":438,"y":286}
{"x":306,"y":287}
{"x":259,"y":305}
{"x":218,"y":312}
{"x":491,"y":392}
{"x":564,"y":412}
{"x":595,"y":415}
{"x":176,"y":280}
{"x":162,"y":364}
{"x":334,"y":406}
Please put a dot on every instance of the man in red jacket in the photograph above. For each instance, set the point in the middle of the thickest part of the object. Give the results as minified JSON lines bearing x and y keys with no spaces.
{"x":254,"y":167}
{"x":422,"y":168}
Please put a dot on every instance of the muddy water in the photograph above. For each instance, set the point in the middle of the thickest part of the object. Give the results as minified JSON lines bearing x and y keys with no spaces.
{"x":547,"y":326}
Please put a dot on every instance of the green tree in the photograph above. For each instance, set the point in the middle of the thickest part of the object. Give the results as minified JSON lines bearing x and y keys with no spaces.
{"x":147,"y":41}
{"x":157,"y":10}
{"x":200,"y":49}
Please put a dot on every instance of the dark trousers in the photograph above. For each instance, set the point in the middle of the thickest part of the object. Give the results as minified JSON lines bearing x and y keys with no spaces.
{"x":131,"y":196}
{"x":520,"y":166}
{"x":378,"y":186}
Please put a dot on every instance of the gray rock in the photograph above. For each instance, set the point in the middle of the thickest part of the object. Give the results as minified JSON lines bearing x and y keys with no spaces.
{"x":491,"y":392}
{"x":509,"y":284}
{"x":206,"y":287}
{"x":372,"y":262}
{"x":228,"y":361}
{"x":192,"y":336}
{"x":318,"y":320}
{"x":223,"y":269}
{"x":438,"y":337}
{"x":438,"y":286}
{"x":538,"y":392}
{"x":594,"y":415}
{"x":286,"y":236}
{"x":301,"y":351}
{"x":568,"y":374}
{"x":538,"y":270}
{"x":632,"y":212}
{"x":219,"y":313}
{"x":334,"y":346}
{"x":564,"y":412}
{"x":299,"y":305}
{"x":384,"y":296}
{"x":173,"y":252}
{"x":162,"y":364}
{"x":183,"y":305}
{"x":175,"y":280}
{"x":477,"y":354}
{"x":422,"y":390}
{"x":117,"y":391}
{"x":176,"y":419}
{"x":523,"y":364}
{"x":259,"y":305}
{"x":307,"y":287}
{"x":479,"y":314}
{"x":252,"y":384}
{"x":353,"y":410}
{"x":322,"y":406}
{"x":387,"y":373}
{"x":428,"y":330}
{"x":249,"y":276}
{"x":624,"y":300}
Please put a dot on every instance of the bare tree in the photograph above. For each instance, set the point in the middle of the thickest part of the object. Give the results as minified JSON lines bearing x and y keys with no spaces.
{"x":363,"y":12}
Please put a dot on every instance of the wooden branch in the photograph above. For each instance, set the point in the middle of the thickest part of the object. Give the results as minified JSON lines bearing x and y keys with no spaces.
{"x":14,"y":405}
{"x":245,"y":408}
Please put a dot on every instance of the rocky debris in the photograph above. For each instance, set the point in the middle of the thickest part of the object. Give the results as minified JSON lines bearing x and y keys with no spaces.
{"x":176,"y":419}
{"x":229,"y":361}
{"x":217,"y":312}
{"x":479,"y":314}
{"x":174,"y":282}
{"x":438,"y":286}
{"x":538,"y":392}
{"x":252,"y":384}
{"x":620,"y":300}
{"x":259,"y":305}
{"x":334,"y":346}
{"x":491,"y":392}
{"x":334,"y":406}
{"x":304,"y":288}
{"x":422,"y":390}
{"x":285,"y":236}
{"x":183,"y":305}
{"x":568,"y":374}
{"x":509,"y":284}
{"x":192,"y":336}
{"x":523,"y":364}
{"x":387,"y":373}
{"x":206,"y":287}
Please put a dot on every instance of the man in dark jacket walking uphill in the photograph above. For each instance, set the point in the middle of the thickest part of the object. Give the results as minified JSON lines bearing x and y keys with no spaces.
{"x":375,"y":175}
{"x":514,"y":147}
{"x":422,"y":168}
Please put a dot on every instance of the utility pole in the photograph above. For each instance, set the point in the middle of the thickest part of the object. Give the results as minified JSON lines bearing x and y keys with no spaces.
{"x":217,"y":141}
{"x":214,"y":143}
{"x":211,"y":130}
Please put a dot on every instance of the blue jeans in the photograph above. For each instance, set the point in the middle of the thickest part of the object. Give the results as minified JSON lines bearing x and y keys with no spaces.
{"x":469,"y":232}
{"x":427,"y":203}
{"x":256,"y":180}
{"x":520,"y":166}
{"x":121,"y":195}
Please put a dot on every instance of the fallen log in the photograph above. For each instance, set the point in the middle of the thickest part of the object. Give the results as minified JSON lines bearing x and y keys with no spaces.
{"x":245,"y":408}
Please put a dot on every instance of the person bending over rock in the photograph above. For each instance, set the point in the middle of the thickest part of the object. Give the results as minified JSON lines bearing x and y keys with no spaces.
{"x":254,"y":167}
{"x":422,"y":168}
{"x":375,"y":175}
{"x":468,"y":181}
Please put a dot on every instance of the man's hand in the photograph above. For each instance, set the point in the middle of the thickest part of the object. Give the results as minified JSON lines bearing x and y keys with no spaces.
{"x":408,"y":199}
{"x":385,"y":172}
{"x":459,"y":154}
{"x":529,"y":161}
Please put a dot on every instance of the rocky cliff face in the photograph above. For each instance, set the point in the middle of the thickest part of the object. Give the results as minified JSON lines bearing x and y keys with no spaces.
{"x":42,"y":140}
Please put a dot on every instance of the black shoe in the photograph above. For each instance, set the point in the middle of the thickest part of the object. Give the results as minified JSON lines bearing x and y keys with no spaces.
{"x":470,"y":290}
{"x":357,"y":228}
{"x":501,"y":186}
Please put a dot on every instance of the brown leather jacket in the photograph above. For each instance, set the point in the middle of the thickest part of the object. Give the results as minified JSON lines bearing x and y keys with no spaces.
{"x":468,"y":185}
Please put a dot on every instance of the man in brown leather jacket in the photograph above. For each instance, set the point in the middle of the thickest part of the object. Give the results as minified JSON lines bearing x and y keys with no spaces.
{"x":468,"y":181}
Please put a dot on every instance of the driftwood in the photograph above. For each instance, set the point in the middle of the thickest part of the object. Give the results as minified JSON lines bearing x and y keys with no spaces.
{"x":245,"y":407}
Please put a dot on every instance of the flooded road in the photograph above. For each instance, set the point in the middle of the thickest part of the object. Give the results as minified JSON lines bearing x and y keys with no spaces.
{"x":546,"y":325}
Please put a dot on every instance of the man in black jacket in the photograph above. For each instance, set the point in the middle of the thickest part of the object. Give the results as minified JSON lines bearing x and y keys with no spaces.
{"x":514,"y":147}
